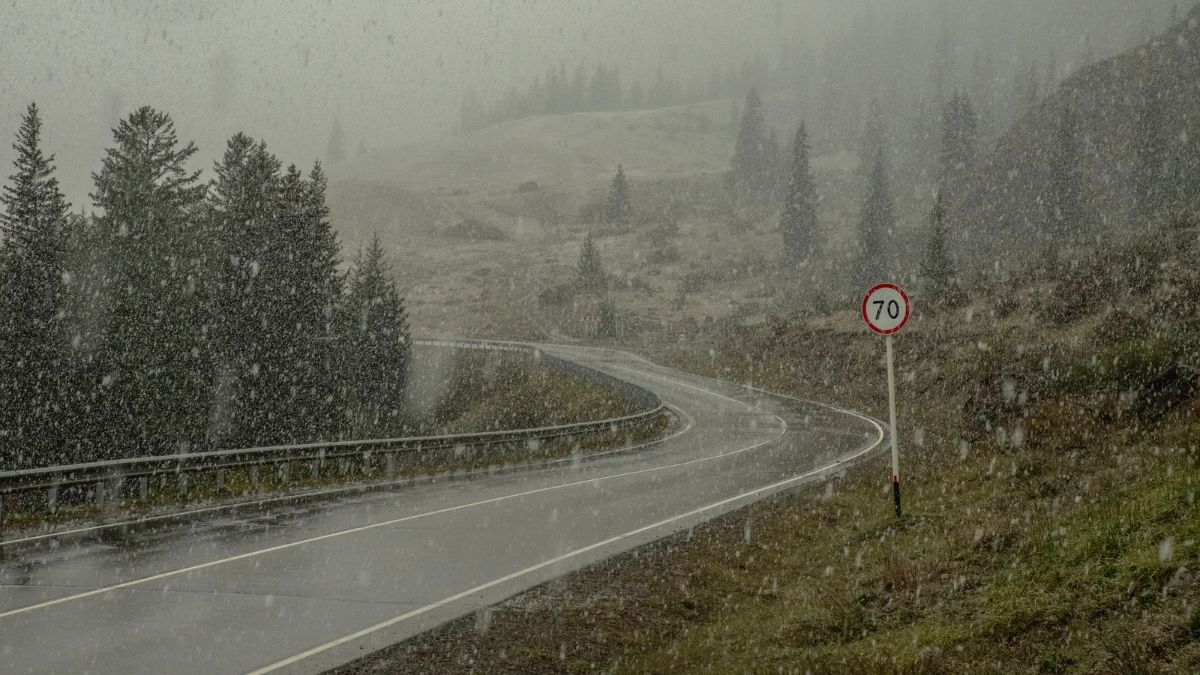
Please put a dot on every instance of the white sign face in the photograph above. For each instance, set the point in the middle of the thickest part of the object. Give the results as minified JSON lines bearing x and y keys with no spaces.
{"x":885,"y":309}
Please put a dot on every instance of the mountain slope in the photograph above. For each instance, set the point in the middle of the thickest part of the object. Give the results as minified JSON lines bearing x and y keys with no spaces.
{"x":1143,"y":102}
{"x":563,"y":151}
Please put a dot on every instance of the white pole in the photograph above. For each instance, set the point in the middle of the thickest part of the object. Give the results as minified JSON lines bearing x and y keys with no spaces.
{"x":892,"y":415}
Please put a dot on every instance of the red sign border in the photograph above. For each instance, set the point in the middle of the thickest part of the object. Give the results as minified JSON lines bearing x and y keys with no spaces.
{"x":907,"y":308}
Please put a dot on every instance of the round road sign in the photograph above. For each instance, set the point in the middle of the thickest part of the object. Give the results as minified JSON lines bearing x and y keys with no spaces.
{"x":885,"y":309}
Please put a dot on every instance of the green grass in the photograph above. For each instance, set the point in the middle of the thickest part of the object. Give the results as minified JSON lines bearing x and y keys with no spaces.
{"x":1057,"y":554}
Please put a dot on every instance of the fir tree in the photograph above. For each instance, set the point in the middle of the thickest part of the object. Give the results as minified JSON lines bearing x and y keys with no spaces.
{"x":320,"y":286}
{"x":1152,"y":179}
{"x":937,"y":269}
{"x":960,"y":139}
{"x":798,"y":222}
{"x":376,"y":346}
{"x":877,"y":223}
{"x":751,"y":170}
{"x":336,"y":150}
{"x":874,"y":137}
{"x":1063,"y":202}
{"x":589,"y":271}
{"x":246,"y":206}
{"x":33,"y":262}
{"x":606,"y":327}
{"x":153,"y":376}
{"x":617,"y":208}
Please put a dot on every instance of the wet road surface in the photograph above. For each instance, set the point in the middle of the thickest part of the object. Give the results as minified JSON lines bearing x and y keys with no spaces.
{"x":300,"y":588}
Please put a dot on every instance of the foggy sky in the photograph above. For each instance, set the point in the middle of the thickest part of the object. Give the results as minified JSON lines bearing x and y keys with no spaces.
{"x":282,"y":71}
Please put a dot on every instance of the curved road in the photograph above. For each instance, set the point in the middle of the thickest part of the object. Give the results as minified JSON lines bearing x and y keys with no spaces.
{"x":300,"y":588}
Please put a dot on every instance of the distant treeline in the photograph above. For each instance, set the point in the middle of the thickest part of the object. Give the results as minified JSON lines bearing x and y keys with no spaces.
{"x":186,"y":315}
{"x":556,"y":92}
{"x":1006,"y":56}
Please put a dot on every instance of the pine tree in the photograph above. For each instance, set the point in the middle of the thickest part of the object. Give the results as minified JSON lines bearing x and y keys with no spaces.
{"x":617,"y":208}
{"x":776,"y":163}
{"x":606,"y":327}
{"x":376,"y":346}
{"x":798,"y":222}
{"x":336,"y":150}
{"x":751,"y":170}
{"x":1152,"y":180}
{"x":937,"y":269}
{"x":874,"y":137}
{"x":33,"y":262}
{"x":154,"y":377}
{"x":246,"y":205}
{"x":313,"y":287}
{"x":960,"y":140}
{"x":1063,"y":201}
{"x":589,"y":271}
{"x":877,"y":223}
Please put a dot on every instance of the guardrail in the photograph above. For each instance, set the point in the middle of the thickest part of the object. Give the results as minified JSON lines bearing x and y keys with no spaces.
{"x":139,"y":476}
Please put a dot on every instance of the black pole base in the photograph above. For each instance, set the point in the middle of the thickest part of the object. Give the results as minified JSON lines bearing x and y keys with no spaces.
{"x":896,"y":494}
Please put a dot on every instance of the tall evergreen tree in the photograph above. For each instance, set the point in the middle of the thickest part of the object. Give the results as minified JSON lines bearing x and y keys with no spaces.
{"x":752,"y":167}
{"x":311,"y":291}
{"x":617,"y":208}
{"x":336,"y":150}
{"x":798,"y":222}
{"x":1152,"y":181}
{"x":1063,"y":200}
{"x":937,"y":269}
{"x":589,"y":271}
{"x":874,"y":137}
{"x":33,"y":261}
{"x":376,"y":346}
{"x":607,"y":327}
{"x":877,"y":223}
{"x":960,"y":139}
{"x":246,"y":206}
{"x":153,"y":374}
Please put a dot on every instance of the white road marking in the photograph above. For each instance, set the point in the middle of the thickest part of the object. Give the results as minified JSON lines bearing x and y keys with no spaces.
{"x":395,"y":521}
{"x":552,"y":561}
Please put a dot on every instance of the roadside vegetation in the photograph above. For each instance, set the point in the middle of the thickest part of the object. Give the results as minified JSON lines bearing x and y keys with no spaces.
{"x":1050,"y":479}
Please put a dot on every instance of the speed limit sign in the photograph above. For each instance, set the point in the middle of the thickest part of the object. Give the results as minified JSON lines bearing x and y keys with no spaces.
{"x":885,"y":309}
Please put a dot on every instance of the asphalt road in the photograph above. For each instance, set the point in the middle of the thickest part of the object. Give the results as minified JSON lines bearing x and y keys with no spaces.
{"x":300,"y":588}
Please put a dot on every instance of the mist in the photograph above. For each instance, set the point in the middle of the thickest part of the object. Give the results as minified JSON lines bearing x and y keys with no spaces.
{"x":391,"y":72}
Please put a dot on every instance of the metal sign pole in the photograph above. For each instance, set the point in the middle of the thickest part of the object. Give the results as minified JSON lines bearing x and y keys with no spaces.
{"x":892,"y":415}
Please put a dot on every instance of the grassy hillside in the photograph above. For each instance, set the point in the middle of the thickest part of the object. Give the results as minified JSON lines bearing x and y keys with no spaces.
{"x":563,"y":151}
{"x":1051,"y":467}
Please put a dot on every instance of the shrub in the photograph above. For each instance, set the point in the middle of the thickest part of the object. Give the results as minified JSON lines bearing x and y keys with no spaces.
{"x":476,"y":230}
{"x":664,"y":255}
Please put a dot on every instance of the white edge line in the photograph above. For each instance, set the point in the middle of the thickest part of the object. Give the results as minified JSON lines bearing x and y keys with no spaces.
{"x":552,"y":561}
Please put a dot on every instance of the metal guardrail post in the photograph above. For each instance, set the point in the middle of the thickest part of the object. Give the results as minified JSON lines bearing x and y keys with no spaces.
{"x":221,"y":479}
{"x":390,"y":461}
{"x":52,"y":495}
{"x":143,"y":487}
{"x":100,"y":493}
{"x":183,"y":483}
{"x":254,"y":478}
